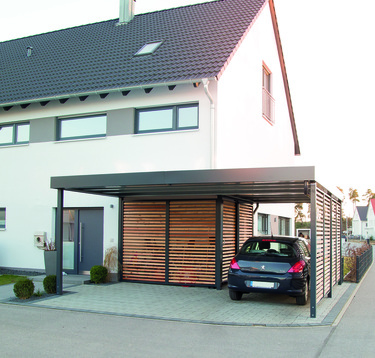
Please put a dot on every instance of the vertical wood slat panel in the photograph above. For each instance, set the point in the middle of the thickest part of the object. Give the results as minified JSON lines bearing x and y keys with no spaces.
{"x":192,"y":229}
{"x":246,"y":222}
{"x":319,"y":245}
{"x":144,"y":226}
{"x":327,"y":244}
{"x":229,"y":236}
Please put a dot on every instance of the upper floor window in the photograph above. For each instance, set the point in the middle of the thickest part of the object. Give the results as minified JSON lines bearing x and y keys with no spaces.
{"x":2,"y":218}
{"x":268,"y":103}
{"x":170,"y":118}
{"x":82,"y":127}
{"x":17,"y":133}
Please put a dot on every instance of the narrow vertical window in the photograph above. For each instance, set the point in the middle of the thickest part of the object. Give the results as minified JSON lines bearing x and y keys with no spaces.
{"x":263,"y":224}
{"x":268,"y":103}
{"x":2,"y":218}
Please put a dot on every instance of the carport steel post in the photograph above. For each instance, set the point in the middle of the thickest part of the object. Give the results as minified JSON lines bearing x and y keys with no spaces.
{"x":59,"y":241}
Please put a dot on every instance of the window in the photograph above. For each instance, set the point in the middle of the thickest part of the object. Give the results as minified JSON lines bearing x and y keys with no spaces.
{"x":18,"y":133}
{"x":163,"y":119}
{"x":268,"y":103}
{"x":148,"y":48}
{"x":2,"y":218}
{"x":82,"y":127}
{"x":263,"y":224}
{"x":284,"y":226}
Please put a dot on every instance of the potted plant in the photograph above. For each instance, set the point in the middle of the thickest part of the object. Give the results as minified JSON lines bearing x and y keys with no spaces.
{"x":50,"y":258}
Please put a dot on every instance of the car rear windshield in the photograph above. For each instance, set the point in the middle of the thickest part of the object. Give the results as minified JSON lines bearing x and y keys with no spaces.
{"x":257,"y":248}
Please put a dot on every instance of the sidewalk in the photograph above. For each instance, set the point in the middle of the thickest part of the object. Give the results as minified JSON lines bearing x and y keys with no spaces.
{"x":188,"y":304}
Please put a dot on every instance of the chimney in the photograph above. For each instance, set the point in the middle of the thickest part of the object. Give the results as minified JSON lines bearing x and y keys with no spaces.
{"x":126,"y":11}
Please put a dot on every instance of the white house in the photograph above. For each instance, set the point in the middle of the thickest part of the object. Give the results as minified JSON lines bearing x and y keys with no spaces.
{"x":359,"y":223}
{"x":200,"y":87}
{"x":370,"y":230}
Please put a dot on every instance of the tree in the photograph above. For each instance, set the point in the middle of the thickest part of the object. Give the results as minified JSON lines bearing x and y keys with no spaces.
{"x":299,"y":215}
{"x":368,"y":196}
{"x":353,"y":197}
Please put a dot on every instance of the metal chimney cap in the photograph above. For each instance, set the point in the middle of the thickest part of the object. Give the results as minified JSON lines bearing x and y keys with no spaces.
{"x":29,"y":51}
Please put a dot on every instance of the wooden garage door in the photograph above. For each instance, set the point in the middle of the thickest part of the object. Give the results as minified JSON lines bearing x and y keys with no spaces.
{"x":192,"y":242}
{"x":144,"y":226}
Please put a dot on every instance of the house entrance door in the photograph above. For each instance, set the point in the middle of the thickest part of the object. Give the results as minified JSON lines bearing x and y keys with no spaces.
{"x":82,"y":240}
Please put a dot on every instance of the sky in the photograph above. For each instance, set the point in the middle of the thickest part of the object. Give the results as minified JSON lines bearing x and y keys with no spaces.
{"x":329,"y":53}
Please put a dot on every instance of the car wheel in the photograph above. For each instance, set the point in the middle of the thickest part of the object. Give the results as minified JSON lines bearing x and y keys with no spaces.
{"x":235,"y":295}
{"x":302,"y":300}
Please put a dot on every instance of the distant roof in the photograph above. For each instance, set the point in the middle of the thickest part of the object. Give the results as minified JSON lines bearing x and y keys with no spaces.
{"x":362,"y":212}
{"x":197,"y":42}
{"x":372,"y":204}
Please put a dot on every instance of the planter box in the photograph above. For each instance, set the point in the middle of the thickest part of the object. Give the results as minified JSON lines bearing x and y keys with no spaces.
{"x":50,"y":262}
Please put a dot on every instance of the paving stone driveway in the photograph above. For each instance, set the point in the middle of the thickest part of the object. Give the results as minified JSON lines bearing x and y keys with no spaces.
{"x":195,"y":304}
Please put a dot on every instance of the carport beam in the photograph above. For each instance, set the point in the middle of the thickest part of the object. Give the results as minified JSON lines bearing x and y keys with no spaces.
{"x":59,"y":241}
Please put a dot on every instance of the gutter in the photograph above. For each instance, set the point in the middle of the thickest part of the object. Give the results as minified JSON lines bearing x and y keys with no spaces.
{"x":97,"y":92}
{"x":205,"y":83}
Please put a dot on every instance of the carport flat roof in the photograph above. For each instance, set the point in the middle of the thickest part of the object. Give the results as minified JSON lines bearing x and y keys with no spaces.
{"x":266,"y":185}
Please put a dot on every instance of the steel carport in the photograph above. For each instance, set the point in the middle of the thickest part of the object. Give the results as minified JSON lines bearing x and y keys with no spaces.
{"x":257,"y":185}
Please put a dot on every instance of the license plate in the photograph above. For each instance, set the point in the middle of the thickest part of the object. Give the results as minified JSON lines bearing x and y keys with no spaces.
{"x":260,"y":284}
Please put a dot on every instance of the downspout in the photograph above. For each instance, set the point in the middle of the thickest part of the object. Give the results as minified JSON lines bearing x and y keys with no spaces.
{"x":206,"y":82}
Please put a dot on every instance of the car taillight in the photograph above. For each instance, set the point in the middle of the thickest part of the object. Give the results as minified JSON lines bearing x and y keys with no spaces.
{"x":234,"y":264}
{"x":297,"y":267}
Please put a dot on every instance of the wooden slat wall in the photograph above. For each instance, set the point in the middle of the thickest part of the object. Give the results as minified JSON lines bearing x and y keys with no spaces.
{"x":246,"y":222}
{"x":336,"y":243}
{"x":229,"y":236}
{"x":144,"y":226}
{"x":328,"y":232}
{"x":327,"y":244}
{"x":192,"y":242}
{"x":319,"y":245}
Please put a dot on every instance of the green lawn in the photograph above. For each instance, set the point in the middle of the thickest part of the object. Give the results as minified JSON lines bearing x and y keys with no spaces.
{"x":7,"y":279}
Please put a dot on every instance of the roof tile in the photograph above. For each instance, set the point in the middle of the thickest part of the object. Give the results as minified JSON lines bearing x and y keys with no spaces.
{"x":197,"y":42}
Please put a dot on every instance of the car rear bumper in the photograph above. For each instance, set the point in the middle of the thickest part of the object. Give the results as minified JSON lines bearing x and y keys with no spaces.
{"x":283,"y":284}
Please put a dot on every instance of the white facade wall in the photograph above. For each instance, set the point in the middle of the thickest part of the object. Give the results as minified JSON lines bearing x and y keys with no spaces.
{"x":26,"y":169}
{"x":370,"y":221}
{"x":244,"y":137}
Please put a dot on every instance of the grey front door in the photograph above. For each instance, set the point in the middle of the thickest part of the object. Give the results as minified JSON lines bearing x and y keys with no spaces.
{"x":83,"y":240}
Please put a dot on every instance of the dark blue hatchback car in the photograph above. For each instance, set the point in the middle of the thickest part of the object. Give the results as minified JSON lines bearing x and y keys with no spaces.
{"x":276,"y":264}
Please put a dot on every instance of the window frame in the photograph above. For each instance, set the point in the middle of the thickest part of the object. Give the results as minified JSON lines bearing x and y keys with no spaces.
{"x":15,"y":128}
{"x":175,"y":118}
{"x":153,"y":46}
{"x":4,"y":210}
{"x":61,"y":120}
{"x":284,"y":225}
{"x":265,"y":222}
{"x":268,"y":102}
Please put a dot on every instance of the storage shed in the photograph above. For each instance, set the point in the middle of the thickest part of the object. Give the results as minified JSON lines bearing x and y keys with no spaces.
{"x":184,"y":227}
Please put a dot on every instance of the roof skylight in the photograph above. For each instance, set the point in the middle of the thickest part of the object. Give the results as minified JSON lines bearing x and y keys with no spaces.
{"x":148,"y":48}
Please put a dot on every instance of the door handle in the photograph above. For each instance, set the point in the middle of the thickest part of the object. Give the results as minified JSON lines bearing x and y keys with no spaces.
{"x":80,"y":241}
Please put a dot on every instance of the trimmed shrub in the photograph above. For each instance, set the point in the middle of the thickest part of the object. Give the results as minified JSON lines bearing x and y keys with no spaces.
{"x":24,"y":289}
{"x":98,"y":274}
{"x":49,"y":284}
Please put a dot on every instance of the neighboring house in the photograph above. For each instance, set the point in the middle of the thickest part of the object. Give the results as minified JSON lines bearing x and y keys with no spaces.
{"x":359,"y":224}
{"x":370,"y":230}
{"x":190,"y":88}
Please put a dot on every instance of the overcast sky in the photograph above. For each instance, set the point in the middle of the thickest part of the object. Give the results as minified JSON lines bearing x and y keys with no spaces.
{"x":329,"y":52}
